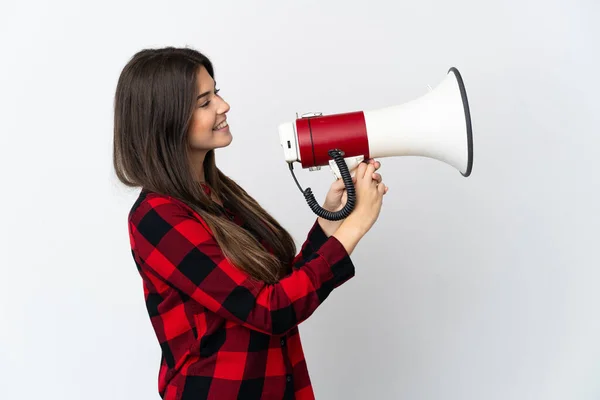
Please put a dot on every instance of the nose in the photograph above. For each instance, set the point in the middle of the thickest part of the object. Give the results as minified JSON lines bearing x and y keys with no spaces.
{"x":223,"y":106}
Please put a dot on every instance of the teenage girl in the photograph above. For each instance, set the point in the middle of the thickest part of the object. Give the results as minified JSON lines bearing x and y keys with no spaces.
{"x":224,"y":288}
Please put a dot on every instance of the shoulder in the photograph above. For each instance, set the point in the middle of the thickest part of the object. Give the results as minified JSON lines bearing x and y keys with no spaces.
{"x":148,"y":201}
{"x":156,"y":211}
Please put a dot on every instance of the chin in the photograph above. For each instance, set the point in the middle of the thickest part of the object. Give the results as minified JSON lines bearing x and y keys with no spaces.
{"x":215,"y":143}
{"x":228,"y":140}
{"x":224,"y":143}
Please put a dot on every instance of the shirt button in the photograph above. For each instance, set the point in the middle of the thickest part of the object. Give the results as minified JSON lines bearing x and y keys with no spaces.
{"x":283,"y":342}
{"x":289,"y":378}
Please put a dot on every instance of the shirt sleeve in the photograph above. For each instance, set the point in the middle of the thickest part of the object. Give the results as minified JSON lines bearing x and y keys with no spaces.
{"x":315,"y":239}
{"x":172,"y":244}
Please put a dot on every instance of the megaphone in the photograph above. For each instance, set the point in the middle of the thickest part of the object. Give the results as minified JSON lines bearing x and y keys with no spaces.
{"x":436,"y":125}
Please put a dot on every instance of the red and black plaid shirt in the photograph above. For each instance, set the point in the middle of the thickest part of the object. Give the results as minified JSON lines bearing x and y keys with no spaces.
{"x":223,"y":334}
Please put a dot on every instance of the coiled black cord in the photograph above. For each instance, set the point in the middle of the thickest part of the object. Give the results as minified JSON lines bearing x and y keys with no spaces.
{"x":338,"y":156}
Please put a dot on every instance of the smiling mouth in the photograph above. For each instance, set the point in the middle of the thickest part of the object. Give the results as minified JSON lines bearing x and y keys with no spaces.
{"x":222,"y":125}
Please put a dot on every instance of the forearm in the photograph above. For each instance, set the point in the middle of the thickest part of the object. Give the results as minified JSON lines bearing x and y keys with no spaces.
{"x":329,"y":227}
{"x":349,"y":233}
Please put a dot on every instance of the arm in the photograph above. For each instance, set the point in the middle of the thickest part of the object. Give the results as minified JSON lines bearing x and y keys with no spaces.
{"x":169,"y":243}
{"x":319,"y":233}
{"x":314,"y":240}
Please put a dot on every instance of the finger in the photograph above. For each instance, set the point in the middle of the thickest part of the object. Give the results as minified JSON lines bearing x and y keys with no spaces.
{"x":381,"y":188}
{"x":373,"y":161}
{"x":370,"y":170}
{"x":377,"y":177}
{"x":360,"y":170}
{"x":339,"y":184}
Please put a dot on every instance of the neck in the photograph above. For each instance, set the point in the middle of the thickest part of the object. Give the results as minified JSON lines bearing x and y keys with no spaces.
{"x":197,"y":159}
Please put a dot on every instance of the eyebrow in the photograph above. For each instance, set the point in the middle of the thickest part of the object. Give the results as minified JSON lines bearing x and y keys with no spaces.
{"x":204,"y":94}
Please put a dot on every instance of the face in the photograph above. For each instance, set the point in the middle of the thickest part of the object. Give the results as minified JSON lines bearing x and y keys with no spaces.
{"x":209,"y":129}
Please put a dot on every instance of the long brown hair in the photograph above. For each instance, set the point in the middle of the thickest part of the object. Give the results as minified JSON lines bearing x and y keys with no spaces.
{"x":154,"y":103}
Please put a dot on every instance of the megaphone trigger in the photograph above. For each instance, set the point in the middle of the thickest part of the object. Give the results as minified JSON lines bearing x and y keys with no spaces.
{"x":351,"y":162}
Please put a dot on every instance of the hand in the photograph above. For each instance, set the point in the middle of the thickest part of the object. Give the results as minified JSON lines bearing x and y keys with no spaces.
{"x":337,"y":197}
{"x":369,"y":196}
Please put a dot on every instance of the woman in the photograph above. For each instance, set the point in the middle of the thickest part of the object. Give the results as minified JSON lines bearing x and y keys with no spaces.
{"x":223,"y":286}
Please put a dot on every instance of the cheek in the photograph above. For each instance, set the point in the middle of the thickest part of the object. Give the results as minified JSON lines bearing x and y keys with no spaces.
{"x":200,"y":130}
{"x":203,"y":122}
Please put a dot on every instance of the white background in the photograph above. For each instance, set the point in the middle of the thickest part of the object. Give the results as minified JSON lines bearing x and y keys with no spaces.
{"x":467,"y":288}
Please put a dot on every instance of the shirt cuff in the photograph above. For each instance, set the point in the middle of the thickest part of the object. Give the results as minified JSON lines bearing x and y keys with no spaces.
{"x":339,"y":260}
{"x":316,"y":236}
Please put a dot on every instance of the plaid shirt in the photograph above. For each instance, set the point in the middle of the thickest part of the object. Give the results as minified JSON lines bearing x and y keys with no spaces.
{"x":223,"y":334}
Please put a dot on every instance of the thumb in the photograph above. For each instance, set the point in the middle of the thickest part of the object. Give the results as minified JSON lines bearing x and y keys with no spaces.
{"x":339,"y":184}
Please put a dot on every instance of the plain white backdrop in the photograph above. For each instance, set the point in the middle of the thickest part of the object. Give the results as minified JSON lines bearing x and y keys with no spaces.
{"x":475,"y":288}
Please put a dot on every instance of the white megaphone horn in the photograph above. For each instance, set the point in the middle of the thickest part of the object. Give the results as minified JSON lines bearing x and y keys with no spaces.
{"x":436,"y":125}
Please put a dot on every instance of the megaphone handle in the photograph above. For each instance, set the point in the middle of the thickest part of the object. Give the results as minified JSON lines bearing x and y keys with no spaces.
{"x":338,"y":156}
{"x":351,"y":162}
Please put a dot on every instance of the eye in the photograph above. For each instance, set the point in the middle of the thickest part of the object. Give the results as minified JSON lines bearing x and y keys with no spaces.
{"x":216,"y":92}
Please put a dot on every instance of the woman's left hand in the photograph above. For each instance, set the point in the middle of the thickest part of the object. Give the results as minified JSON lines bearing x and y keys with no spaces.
{"x":336,"y":199}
